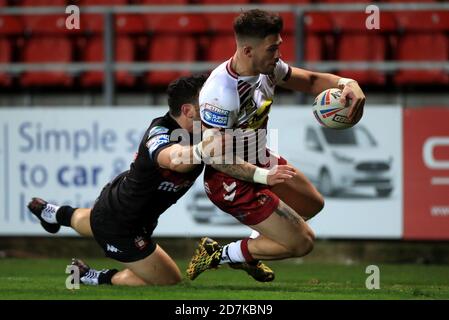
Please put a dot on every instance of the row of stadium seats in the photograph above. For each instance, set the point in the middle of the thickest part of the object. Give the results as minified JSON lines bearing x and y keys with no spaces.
{"x":178,"y":2}
{"x":433,"y":47}
{"x":195,"y":37}
{"x":399,"y":21}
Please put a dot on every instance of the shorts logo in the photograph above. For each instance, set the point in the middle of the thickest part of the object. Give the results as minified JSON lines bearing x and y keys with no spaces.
{"x":206,"y":188}
{"x":140,"y":242}
{"x":230,"y":191}
{"x":262,"y":198}
{"x":111,"y":248}
{"x":214,"y":116}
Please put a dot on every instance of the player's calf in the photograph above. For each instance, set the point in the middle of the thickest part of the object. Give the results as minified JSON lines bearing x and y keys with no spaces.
{"x":93,"y":277}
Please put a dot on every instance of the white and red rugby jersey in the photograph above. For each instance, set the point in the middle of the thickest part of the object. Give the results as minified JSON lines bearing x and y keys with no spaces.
{"x":228,"y":100}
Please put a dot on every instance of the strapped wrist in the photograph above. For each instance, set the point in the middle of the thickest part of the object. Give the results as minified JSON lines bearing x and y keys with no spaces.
{"x":197,"y":150}
{"x":261,"y":175}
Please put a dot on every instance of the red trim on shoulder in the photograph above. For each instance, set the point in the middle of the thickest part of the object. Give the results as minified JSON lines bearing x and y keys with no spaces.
{"x":288,"y":75}
{"x":231,"y":71}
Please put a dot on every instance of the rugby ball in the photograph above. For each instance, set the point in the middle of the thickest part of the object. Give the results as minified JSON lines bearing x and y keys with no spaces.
{"x":331,"y":113}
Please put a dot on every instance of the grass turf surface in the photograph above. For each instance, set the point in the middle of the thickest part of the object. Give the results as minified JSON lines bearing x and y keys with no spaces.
{"x":45,"y":279}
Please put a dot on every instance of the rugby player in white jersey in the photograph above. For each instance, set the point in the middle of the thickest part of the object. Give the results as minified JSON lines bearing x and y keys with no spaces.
{"x":126,"y":212}
{"x":238,"y":95}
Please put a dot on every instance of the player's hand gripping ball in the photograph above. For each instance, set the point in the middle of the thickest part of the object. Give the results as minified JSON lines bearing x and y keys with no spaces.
{"x":331,"y":113}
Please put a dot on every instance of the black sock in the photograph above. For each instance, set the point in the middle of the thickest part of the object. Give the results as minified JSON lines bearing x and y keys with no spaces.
{"x":64,"y":215}
{"x":105,"y":276}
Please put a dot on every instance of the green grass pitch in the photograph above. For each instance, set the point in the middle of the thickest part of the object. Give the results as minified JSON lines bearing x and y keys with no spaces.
{"x":45,"y":279}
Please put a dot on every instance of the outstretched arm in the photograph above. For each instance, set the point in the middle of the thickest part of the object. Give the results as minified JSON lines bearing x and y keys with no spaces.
{"x":316,"y":82}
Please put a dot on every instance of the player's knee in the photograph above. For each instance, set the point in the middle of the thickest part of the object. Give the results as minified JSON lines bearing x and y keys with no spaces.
{"x":173,"y":279}
{"x":304,"y":244}
{"x":318,"y":204}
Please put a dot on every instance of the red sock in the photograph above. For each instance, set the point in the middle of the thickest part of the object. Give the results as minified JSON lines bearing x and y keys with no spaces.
{"x":245,"y":251}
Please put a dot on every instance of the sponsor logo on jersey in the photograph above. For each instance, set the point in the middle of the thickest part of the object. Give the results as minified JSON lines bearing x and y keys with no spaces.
{"x":214,"y":116}
{"x":171,"y":187}
{"x":157,"y":141}
{"x":157,"y":130}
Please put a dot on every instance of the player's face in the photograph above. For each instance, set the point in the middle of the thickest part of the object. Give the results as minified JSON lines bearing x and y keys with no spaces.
{"x":196,"y":112}
{"x":267,"y":53}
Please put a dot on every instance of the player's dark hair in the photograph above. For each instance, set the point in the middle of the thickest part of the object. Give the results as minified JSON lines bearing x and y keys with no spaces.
{"x":257,"y":24}
{"x":184,"y":90}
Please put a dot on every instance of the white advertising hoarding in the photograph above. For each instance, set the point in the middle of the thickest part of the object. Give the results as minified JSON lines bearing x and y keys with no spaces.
{"x":66,"y":155}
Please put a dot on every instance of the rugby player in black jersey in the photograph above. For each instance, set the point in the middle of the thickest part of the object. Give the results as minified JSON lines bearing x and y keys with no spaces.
{"x":126,"y":213}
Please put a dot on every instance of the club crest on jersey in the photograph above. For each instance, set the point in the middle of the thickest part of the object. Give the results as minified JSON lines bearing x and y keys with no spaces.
{"x":140,"y":242}
{"x":214,"y":116}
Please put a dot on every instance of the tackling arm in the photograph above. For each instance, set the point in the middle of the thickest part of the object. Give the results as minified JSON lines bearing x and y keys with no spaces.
{"x":177,"y":158}
{"x":215,"y":150}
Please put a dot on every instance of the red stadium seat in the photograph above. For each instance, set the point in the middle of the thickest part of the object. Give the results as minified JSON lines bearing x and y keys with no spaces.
{"x":221,"y":48}
{"x":405,"y":1}
{"x":103,"y":2}
{"x":10,"y":25}
{"x":5,"y":57}
{"x":356,"y":21}
{"x":318,"y":35}
{"x":176,"y":23}
{"x":163,"y":2}
{"x":169,"y":48}
{"x":94,"y":52}
{"x":47,"y":49}
{"x":289,"y":22}
{"x":346,"y":1}
{"x":360,"y":47}
{"x":35,"y":3}
{"x":175,"y":39}
{"x":47,"y":24}
{"x":124,"y":23}
{"x":224,"y":1}
{"x":422,"y":47}
{"x":221,"y":22}
{"x":288,"y":48}
{"x":285,"y":1}
{"x":314,"y":48}
{"x":422,"y":20}
{"x":318,"y":22}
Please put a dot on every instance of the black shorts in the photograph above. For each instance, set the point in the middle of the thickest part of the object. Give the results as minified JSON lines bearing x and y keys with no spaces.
{"x":118,"y":242}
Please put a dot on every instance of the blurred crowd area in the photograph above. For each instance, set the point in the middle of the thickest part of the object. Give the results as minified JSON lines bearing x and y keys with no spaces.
{"x":403,"y":36}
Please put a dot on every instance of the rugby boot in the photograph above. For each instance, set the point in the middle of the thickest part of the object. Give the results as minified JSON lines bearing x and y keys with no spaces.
{"x":207,"y":256}
{"x":38,"y":207}
{"x":257,"y":269}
